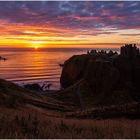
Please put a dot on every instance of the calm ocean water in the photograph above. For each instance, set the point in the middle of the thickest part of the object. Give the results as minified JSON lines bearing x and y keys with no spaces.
{"x":36,"y":66}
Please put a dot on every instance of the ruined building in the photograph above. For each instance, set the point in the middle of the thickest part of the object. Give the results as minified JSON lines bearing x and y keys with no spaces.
{"x":129,"y":51}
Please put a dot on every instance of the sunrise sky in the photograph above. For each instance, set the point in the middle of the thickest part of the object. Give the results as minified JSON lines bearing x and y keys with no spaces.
{"x":51,"y":24}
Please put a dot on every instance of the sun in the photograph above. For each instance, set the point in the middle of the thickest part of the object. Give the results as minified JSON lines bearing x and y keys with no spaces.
{"x":36,"y":47}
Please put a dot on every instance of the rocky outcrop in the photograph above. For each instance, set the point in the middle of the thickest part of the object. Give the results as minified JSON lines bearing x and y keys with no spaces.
{"x":109,"y":77}
{"x":96,"y":68}
{"x":101,"y":76}
{"x":73,"y":70}
{"x":78,"y":66}
{"x":35,"y":87}
{"x":3,"y":58}
{"x":75,"y":67}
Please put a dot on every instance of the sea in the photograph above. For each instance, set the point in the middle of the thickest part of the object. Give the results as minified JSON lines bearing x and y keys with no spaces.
{"x":27,"y":65}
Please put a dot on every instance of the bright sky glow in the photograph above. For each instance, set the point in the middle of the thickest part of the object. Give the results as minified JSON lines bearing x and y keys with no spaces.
{"x":43,"y":24}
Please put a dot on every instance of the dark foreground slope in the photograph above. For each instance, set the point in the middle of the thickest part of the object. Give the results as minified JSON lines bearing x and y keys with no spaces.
{"x":24,"y":115}
{"x":15,"y":97}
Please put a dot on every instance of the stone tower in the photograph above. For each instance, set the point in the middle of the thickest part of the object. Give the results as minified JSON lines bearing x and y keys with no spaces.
{"x":129,"y":51}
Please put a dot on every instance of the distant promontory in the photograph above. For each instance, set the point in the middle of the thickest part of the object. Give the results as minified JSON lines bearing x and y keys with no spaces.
{"x":101,"y":78}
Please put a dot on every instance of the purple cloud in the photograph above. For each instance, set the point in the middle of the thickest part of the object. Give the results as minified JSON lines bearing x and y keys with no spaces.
{"x":73,"y":15}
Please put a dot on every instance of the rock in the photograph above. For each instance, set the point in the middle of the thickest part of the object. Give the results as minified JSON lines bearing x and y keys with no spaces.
{"x":2,"y":58}
{"x":125,"y":68}
{"x":103,"y":72}
{"x":75,"y":67}
{"x":102,"y":76}
{"x":136,"y":78}
{"x":73,"y":70}
{"x":35,"y":87}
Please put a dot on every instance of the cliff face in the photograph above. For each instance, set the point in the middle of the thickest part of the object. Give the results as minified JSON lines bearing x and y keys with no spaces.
{"x":95,"y":69}
{"x":101,"y":76}
{"x":111,"y":78}
{"x":73,"y":70}
{"x":129,"y":70}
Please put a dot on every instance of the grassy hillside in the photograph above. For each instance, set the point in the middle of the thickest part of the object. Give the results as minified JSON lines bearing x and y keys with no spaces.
{"x":13,"y":96}
{"x":26,"y":115}
{"x":35,"y":126}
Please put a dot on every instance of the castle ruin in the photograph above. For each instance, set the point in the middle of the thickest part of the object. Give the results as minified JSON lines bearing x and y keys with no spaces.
{"x":129,"y":51}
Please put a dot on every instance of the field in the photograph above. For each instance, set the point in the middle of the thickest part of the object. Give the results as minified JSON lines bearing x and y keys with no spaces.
{"x":37,"y":125}
{"x":26,"y":115}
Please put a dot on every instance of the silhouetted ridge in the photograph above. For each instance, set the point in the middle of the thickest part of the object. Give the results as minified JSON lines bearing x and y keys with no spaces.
{"x":130,"y":51}
{"x":107,"y":77}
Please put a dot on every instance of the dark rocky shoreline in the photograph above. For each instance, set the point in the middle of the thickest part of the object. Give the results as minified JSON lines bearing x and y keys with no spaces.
{"x":3,"y":58}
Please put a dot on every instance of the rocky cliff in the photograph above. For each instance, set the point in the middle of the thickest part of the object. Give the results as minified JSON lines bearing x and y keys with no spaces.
{"x":110,"y":79}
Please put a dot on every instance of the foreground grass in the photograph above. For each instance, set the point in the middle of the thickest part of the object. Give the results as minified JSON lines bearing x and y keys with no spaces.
{"x":32,"y":126}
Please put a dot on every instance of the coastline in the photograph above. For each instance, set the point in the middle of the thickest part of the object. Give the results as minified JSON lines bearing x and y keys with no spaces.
{"x":76,"y":106}
{"x":26,"y":69}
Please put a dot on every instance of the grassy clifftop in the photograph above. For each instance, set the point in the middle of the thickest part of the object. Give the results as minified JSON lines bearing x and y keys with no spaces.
{"x":24,"y":115}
